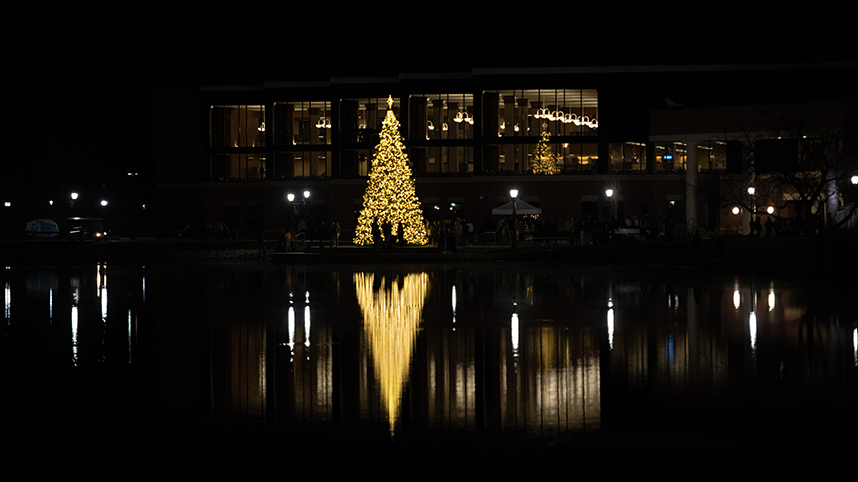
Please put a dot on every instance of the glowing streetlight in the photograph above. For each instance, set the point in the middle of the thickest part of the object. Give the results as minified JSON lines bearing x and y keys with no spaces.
{"x":609,"y":192}
{"x":104,"y":202}
{"x":854,"y":179}
{"x":74,"y":196}
{"x":751,"y":191}
{"x":290,"y":197}
{"x":735,"y":209}
{"x":770,"y":209}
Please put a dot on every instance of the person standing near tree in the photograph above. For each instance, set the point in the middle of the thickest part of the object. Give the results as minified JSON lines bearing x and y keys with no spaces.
{"x":335,"y":235}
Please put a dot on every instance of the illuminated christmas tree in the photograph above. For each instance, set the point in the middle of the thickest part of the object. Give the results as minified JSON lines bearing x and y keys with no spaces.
{"x":390,"y":197}
{"x":544,"y":159}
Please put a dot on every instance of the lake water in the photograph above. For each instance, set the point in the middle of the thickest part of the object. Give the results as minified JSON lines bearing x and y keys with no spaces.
{"x":502,"y":358}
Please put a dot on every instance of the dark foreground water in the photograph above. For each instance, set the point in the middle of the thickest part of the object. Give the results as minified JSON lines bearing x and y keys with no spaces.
{"x":243,"y":365}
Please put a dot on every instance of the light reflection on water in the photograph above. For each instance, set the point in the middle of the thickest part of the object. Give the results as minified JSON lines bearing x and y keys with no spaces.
{"x":528,"y":352}
{"x":391,"y":319}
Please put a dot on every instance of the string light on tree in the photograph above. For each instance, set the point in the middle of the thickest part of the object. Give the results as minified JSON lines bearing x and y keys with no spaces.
{"x":545,"y":160}
{"x":390,"y":197}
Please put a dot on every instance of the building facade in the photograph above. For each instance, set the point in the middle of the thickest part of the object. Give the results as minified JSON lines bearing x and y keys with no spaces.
{"x":660,"y":138}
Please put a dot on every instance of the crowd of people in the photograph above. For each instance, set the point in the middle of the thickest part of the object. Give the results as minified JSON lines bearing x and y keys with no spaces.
{"x":798,"y":225}
{"x":289,"y":238}
{"x":449,"y":234}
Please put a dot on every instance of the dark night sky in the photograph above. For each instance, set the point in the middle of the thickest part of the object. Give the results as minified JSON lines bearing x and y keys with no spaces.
{"x":83,"y":88}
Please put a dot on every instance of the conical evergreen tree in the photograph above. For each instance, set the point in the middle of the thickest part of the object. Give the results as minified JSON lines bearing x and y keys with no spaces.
{"x":544,"y":159}
{"x":390,"y":197}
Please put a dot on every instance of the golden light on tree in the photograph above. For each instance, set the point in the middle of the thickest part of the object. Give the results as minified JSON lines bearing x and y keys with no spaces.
{"x":544,"y":159}
{"x":391,"y":320}
{"x":390,"y":197}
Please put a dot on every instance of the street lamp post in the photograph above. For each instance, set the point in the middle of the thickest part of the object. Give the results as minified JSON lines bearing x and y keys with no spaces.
{"x":513,"y":193}
{"x":752,"y":208}
{"x":612,"y":212}
{"x":304,"y":215}
{"x":104,"y":216}
{"x":289,"y":198}
{"x":609,"y":193}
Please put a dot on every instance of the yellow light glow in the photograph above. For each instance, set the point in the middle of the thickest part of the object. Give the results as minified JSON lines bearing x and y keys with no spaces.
{"x":752,"y":327}
{"x":611,"y":324}
{"x":544,"y":159}
{"x":391,"y":320}
{"x":390,"y":196}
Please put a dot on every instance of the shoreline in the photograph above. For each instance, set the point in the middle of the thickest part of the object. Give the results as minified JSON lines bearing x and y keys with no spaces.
{"x":774,"y":256}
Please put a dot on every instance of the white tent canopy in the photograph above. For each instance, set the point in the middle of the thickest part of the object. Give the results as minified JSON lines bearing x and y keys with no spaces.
{"x":521,"y":207}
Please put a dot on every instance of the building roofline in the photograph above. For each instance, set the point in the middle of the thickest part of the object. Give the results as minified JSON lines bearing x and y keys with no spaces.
{"x":620,"y":69}
{"x":524,"y":71}
{"x":364,"y":80}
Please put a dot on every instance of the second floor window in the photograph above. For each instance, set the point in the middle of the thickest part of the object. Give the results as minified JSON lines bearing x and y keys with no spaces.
{"x":237,"y":126}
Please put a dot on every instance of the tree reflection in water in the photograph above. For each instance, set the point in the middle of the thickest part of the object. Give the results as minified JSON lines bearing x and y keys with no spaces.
{"x":391,"y":320}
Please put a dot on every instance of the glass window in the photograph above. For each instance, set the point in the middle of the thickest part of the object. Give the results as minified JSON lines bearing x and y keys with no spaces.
{"x":442,"y":159}
{"x":354,"y":162}
{"x":712,"y":156}
{"x":579,"y":157}
{"x":302,"y":123}
{"x":561,"y":112}
{"x":237,"y":125}
{"x":361,"y":119}
{"x":673,"y":156}
{"x":302,"y":164}
{"x":518,"y":158}
{"x":238,"y":166}
{"x":670,"y":156}
{"x":628,"y":156}
{"x":442,"y":116}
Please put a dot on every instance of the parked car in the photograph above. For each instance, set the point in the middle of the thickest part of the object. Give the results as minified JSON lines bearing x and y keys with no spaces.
{"x":82,"y":229}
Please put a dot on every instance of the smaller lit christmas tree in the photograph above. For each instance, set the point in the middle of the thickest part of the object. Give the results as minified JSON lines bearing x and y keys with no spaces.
{"x":544,"y":159}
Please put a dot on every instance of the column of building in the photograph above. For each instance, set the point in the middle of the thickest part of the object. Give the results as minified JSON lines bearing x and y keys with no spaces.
{"x":691,"y":185}
{"x":452,"y":152}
